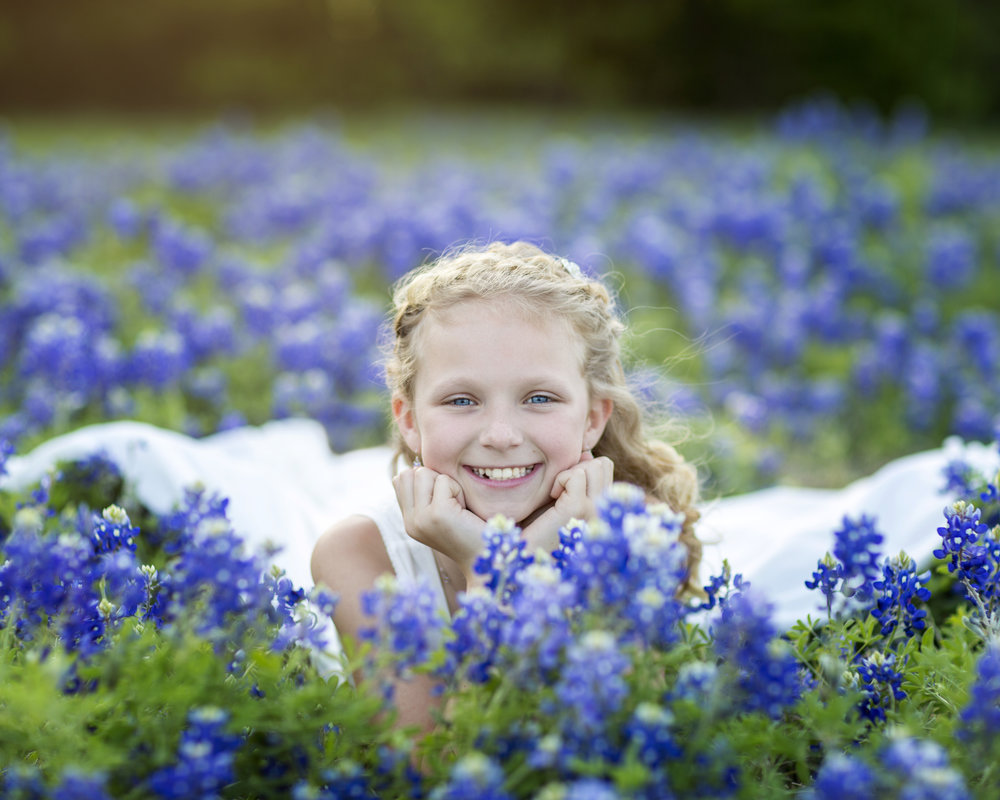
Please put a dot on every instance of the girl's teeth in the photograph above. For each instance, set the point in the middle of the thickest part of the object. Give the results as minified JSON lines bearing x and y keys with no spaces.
{"x":502,"y":473}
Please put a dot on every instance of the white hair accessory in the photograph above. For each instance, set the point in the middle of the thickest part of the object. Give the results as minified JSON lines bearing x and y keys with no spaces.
{"x":572,"y":268}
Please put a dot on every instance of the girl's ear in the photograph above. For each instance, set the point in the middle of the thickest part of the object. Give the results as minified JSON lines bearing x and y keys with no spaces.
{"x":600,"y":413}
{"x":402,"y":412}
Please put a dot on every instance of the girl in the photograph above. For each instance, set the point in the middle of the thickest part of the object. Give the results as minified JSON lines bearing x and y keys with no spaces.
{"x":509,"y":397}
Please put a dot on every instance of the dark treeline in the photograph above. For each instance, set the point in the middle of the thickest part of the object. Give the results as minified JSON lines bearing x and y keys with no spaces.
{"x":701,"y":55}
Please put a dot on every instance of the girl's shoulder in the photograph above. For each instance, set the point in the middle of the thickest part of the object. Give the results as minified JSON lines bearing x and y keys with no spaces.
{"x":348,"y":549}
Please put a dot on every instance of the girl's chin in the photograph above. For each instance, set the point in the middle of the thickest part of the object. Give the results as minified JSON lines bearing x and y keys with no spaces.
{"x":522,"y":516}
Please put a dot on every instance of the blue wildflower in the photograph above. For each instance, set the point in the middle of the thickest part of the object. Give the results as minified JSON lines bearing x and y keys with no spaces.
{"x":502,"y":557}
{"x":960,"y":480}
{"x":921,"y":769}
{"x":827,"y":577}
{"x":205,"y":759}
{"x":216,"y":586}
{"x":856,"y":548}
{"x":981,"y":716}
{"x":967,"y":546}
{"x":767,"y":673}
{"x":590,"y":789}
{"x":540,"y":628}
{"x":592,"y":684}
{"x":77,"y":785}
{"x":881,"y":685}
{"x":844,"y":778}
{"x":406,"y":621}
{"x":650,"y":733}
{"x":895,"y":593}
{"x":697,"y":681}
{"x":113,"y":530}
{"x":6,"y":451}
{"x":473,"y":777}
{"x":345,"y":781}
{"x":477,"y":627}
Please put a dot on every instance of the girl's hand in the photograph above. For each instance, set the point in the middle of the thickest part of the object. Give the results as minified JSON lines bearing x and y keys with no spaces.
{"x":575,"y":492}
{"x":434,"y":514}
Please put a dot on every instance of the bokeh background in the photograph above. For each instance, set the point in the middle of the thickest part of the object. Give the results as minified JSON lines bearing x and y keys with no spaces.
{"x":715,"y":56}
{"x":202,"y":206}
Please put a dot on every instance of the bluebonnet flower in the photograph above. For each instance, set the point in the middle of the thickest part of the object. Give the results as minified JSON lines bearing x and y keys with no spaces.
{"x":843,"y":777}
{"x":477,"y":628}
{"x":767,"y":673}
{"x":960,"y":480}
{"x":74,"y":784}
{"x":590,"y":789}
{"x":208,"y":334}
{"x":159,"y":359}
{"x":628,"y":561}
{"x":405,"y":621}
{"x":920,"y":769}
{"x":650,"y":733}
{"x":881,"y":685}
{"x":198,"y":506}
{"x":205,"y":759}
{"x":502,"y":557}
{"x":592,"y":686}
{"x":216,"y":586}
{"x":345,"y":781}
{"x":950,"y":254}
{"x":301,"y":624}
{"x":21,"y":781}
{"x":961,"y":539}
{"x":113,"y":530}
{"x":894,"y":595}
{"x":721,"y":587}
{"x":856,"y":548}
{"x":541,"y":625}
{"x":977,"y":336}
{"x":827,"y":577}
{"x":125,"y":218}
{"x":181,"y":248}
{"x":981,"y":716}
{"x":473,"y":777}
{"x":36,"y":598}
{"x":698,"y":682}
{"x":6,"y":451}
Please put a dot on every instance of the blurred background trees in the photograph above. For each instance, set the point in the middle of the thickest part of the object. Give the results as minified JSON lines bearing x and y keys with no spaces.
{"x":697,"y":55}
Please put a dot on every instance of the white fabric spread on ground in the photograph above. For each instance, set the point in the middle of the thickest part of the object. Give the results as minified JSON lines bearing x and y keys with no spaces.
{"x":284,"y":485}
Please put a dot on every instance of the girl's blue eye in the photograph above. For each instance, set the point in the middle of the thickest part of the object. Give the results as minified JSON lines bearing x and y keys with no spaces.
{"x":539,"y":399}
{"x":460,"y":401}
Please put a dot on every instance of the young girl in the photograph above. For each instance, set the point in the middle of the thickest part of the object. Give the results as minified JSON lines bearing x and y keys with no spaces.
{"x":509,"y":397}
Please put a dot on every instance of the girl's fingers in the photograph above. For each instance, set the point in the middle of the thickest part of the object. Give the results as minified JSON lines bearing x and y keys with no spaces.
{"x":590,"y":478}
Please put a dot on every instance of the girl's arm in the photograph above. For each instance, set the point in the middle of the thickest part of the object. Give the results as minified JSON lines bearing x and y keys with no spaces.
{"x":347,"y":559}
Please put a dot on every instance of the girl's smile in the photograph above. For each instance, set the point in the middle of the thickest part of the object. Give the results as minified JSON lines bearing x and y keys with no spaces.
{"x":500,"y":404}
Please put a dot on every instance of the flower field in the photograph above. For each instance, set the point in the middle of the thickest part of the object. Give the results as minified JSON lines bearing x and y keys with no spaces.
{"x":811,"y":296}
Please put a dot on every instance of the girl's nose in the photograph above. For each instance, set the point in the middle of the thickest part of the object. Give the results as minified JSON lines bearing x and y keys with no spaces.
{"x":500,"y":433}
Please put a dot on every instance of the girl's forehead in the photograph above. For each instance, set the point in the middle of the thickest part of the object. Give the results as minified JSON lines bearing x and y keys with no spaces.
{"x":475,"y":314}
{"x":476,"y":311}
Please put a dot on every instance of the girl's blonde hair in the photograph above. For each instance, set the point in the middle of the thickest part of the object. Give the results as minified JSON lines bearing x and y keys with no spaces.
{"x":542,"y":284}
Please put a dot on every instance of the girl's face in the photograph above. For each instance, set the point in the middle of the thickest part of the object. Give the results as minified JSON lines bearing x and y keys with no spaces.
{"x":500,"y":404}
